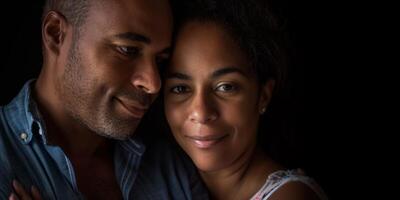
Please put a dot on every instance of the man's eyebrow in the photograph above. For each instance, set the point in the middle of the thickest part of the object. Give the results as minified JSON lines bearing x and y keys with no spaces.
{"x":134,"y":37}
{"x":227,"y":70}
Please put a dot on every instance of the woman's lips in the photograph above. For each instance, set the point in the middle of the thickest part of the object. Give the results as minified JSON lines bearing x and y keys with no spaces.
{"x":205,"y":142}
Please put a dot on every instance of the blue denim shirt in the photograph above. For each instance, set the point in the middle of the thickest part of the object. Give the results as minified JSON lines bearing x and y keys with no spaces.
{"x":160,"y":173}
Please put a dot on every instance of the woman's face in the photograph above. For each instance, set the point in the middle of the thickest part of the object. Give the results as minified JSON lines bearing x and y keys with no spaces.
{"x":212,"y":100}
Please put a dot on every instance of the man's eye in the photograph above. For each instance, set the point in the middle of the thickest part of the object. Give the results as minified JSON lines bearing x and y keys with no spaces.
{"x":226,"y":88}
{"x":128,"y":51}
{"x":179,"y":89}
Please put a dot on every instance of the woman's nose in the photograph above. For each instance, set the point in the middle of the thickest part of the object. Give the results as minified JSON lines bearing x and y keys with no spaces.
{"x":202,"y":109}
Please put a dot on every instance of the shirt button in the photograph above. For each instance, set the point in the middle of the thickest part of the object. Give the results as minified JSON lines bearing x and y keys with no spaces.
{"x":23,"y":136}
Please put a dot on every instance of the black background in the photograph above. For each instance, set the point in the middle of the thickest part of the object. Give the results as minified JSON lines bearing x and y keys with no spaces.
{"x":317,"y":35}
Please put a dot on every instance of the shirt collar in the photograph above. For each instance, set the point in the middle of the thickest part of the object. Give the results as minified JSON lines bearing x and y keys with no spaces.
{"x":28,"y":122}
{"x":18,"y":111}
{"x":133,"y":145}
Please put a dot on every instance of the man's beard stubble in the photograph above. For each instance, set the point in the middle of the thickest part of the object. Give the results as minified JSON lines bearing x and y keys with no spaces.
{"x":88,"y":106}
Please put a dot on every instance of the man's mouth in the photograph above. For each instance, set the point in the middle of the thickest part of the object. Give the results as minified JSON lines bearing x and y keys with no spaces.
{"x":136,"y":110}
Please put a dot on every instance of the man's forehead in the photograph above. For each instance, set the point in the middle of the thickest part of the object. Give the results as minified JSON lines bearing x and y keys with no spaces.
{"x":147,"y":11}
{"x":152,"y":20}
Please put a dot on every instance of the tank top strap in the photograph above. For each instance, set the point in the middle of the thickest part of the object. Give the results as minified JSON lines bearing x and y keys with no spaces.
{"x":278,"y":178}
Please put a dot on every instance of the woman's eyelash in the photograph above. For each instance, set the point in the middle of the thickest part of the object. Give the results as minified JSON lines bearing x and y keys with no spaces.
{"x":226,"y":87}
{"x":179,"y":89}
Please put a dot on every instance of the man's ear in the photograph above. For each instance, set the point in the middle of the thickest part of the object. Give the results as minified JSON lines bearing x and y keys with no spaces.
{"x":266,"y":91}
{"x":54,"y":29}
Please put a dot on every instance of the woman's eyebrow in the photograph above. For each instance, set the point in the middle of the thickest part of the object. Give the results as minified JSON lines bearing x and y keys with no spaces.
{"x":227,"y":70}
{"x":178,"y":75}
{"x":217,"y":73}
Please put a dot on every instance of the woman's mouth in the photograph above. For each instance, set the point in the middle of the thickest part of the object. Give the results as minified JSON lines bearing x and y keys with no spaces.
{"x":205,"y":142}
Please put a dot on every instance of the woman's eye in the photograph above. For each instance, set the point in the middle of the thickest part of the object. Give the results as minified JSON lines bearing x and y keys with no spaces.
{"x":226,"y":88}
{"x":128,"y":51}
{"x":179,"y":89}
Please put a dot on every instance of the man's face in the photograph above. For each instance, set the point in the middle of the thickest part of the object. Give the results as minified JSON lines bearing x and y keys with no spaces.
{"x":111,"y":68}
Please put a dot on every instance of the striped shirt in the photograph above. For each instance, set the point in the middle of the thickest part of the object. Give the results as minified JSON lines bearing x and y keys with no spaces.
{"x":160,"y":173}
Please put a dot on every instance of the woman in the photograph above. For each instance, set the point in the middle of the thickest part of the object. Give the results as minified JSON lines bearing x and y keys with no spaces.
{"x":224,"y":68}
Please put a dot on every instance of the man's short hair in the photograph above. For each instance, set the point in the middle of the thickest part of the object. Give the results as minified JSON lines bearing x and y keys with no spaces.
{"x":75,"y":11}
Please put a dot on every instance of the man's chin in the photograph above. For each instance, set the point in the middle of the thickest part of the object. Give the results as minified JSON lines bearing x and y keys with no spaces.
{"x":117,"y":131}
{"x":116,"y":136}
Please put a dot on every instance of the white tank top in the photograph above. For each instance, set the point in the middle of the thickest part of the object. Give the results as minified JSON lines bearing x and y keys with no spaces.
{"x":279,"y":178}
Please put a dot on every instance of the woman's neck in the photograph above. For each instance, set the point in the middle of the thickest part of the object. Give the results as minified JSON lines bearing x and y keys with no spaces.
{"x":242,"y":179}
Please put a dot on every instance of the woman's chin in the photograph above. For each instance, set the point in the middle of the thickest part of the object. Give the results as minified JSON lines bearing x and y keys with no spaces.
{"x":209,"y":165}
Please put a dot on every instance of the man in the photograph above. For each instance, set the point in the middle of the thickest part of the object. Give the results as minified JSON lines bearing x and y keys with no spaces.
{"x":69,"y":133}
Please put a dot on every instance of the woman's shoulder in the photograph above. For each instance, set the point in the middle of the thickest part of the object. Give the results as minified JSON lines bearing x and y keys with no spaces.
{"x":289,"y":184}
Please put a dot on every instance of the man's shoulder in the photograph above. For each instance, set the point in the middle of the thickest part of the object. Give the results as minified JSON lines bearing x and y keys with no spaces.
{"x":6,"y":137}
{"x":15,"y":118}
{"x":12,"y":113}
{"x":6,"y":130}
{"x":5,"y":167}
{"x":2,"y":117}
{"x":11,"y":148}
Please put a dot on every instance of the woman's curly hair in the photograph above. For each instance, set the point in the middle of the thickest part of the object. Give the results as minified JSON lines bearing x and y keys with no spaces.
{"x":251,"y":24}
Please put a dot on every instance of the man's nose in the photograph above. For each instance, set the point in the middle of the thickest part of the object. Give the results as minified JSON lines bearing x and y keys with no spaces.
{"x":146,"y":76}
